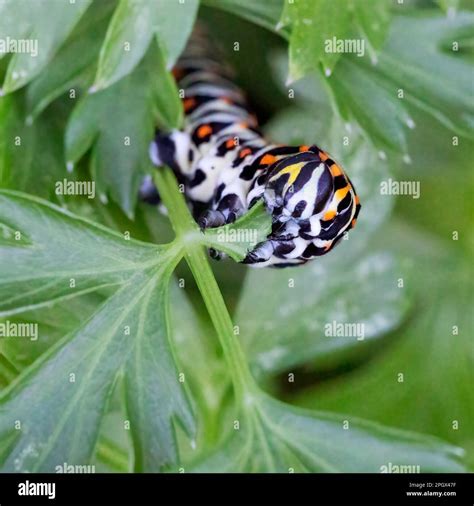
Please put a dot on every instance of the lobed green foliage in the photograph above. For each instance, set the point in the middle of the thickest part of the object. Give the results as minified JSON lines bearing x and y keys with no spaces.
{"x":140,"y":365}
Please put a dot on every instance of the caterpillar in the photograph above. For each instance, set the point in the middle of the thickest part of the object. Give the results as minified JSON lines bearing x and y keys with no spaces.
{"x":227,"y":166}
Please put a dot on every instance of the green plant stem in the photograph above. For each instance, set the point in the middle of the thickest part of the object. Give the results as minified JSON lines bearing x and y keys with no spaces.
{"x":191,"y":238}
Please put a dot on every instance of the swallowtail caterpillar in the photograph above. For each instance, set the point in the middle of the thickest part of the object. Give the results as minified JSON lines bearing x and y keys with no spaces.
{"x":226,"y":166}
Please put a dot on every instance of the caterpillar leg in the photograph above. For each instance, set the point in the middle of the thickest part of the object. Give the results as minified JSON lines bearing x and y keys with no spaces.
{"x":211,"y":219}
{"x":285,"y":231}
{"x":261,"y":253}
{"x":229,"y":209}
{"x":279,"y":252}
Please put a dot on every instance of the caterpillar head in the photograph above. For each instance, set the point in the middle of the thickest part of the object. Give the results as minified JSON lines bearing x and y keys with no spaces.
{"x":312,"y":203}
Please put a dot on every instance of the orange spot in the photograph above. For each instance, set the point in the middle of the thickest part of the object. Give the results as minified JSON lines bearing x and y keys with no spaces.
{"x":326,"y":248}
{"x":268,"y":159}
{"x":188,"y":104}
{"x":323,"y":156}
{"x":243,"y":124}
{"x":357,"y":200}
{"x":227,"y":100}
{"x":304,"y":148}
{"x":177,"y":73}
{"x":245,"y":152}
{"x":230,"y":144}
{"x":353,"y":223}
{"x":203,"y":131}
{"x":329,"y":215}
{"x":335,"y":170}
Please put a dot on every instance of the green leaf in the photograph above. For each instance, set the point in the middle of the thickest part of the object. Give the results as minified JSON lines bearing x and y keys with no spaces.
{"x":31,"y":154}
{"x":56,"y":247}
{"x":319,"y":301}
{"x":436,"y":79}
{"x":313,"y":22}
{"x":238,"y":238}
{"x":201,"y":362}
{"x":436,"y":361}
{"x":373,"y":20}
{"x":274,"y":437}
{"x":266,"y":14}
{"x":195,"y":345}
{"x":417,"y":56}
{"x":433,"y":150}
{"x":8,"y":371}
{"x":134,"y":25}
{"x":414,"y":61}
{"x":450,"y":6}
{"x":16,"y":143}
{"x":151,"y":409}
{"x":111,"y":455}
{"x":127,"y":335}
{"x":47,"y":22}
{"x":119,"y":123}
{"x":66,"y":426}
{"x":55,"y":321}
{"x":361,"y":94}
{"x":74,"y":64}
{"x":371,"y":17}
